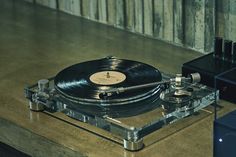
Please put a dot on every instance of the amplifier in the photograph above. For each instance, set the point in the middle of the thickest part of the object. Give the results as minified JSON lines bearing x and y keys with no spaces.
{"x":226,"y":83}
{"x":217,"y":68}
{"x":225,"y":136}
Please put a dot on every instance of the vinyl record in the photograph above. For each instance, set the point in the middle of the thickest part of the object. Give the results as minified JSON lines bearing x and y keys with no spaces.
{"x":82,"y":83}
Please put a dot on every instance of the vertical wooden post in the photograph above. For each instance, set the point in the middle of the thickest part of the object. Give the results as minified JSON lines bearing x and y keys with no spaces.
{"x":138,"y":25}
{"x":102,"y":10}
{"x":76,"y":7}
{"x":70,"y":6}
{"x":189,"y":23}
{"x":93,"y":9}
{"x":111,"y":7}
{"x":168,"y":20}
{"x":199,"y":24}
{"x":209,"y":25}
{"x":220,"y":20}
{"x":85,"y":8}
{"x":158,"y":18}
{"x":65,"y":6}
{"x":178,"y":21}
{"x":129,"y":17}
{"x":232,"y":20}
{"x":120,"y":13}
{"x":148,"y":17}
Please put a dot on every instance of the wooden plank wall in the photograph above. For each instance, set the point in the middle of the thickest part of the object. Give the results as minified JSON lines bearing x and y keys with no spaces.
{"x":189,"y":23}
{"x":102,"y":11}
{"x":226,"y":19}
{"x":31,"y":1}
{"x":48,"y":3}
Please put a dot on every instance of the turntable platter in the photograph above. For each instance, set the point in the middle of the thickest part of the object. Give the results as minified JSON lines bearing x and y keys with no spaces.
{"x":83,"y":82}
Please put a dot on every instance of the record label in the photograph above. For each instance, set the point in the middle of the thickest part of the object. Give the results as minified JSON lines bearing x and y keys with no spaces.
{"x":107,"y":77}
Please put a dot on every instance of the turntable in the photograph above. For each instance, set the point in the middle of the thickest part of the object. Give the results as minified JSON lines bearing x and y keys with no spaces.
{"x":126,"y":98}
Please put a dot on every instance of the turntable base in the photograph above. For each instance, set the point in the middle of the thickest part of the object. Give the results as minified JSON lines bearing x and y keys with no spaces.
{"x":41,"y":135}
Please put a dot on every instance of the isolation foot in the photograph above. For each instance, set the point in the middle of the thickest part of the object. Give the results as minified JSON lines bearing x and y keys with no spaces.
{"x":35,"y":106}
{"x":133,"y":145}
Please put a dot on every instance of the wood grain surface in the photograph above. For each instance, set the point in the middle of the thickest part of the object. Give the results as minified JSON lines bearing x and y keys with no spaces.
{"x":189,"y":23}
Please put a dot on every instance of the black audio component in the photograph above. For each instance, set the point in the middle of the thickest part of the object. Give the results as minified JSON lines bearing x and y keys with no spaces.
{"x":227,"y":55}
{"x":234,"y":53}
{"x":226,"y":83}
{"x":218,"y":47}
{"x":225,"y":136}
{"x":208,"y":67}
{"x":214,"y":65}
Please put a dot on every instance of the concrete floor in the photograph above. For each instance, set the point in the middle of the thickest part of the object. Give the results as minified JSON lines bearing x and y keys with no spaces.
{"x":37,"y":42}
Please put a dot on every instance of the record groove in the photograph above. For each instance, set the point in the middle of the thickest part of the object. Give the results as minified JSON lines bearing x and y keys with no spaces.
{"x":82,"y":83}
